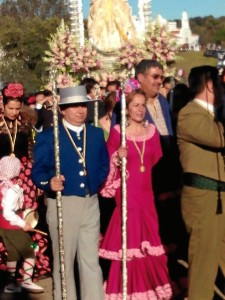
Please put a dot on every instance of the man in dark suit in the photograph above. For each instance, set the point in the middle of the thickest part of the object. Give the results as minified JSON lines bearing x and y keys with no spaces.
{"x":84,"y":166}
{"x":93,"y":93}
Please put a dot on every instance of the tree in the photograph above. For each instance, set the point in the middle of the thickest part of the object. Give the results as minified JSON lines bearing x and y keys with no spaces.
{"x":210,"y":29}
{"x":25,"y":29}
{"x":36,"y":8}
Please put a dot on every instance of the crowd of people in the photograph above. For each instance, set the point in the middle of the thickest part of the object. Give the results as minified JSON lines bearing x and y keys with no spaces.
{"x":175,"y":177}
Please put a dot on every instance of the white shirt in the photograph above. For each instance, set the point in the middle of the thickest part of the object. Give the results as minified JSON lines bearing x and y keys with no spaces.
{"x":208,"y":106}
{"x":11,"y":202}
{"x":74,"y":128}
{"x":156,"y":113}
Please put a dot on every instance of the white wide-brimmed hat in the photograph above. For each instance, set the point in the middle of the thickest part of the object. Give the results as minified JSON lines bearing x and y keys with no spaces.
{"x":73,"y":95}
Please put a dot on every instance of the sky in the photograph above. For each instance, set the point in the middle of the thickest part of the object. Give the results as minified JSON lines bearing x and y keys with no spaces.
{"x":172,"y":9}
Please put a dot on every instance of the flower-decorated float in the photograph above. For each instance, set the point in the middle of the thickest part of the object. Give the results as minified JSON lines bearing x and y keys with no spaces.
{"x":112,"y":47}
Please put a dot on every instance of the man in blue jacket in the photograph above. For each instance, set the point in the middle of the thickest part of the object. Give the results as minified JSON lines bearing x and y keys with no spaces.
{"x":84,"y":166}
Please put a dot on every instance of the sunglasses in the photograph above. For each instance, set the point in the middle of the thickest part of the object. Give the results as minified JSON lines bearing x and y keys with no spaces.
{"x":155,"y":76}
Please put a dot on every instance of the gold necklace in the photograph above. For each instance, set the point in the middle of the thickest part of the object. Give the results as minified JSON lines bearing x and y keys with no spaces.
{"x":81,"y":155}
{"x":12,"y":139}
{"x":141,"y":154}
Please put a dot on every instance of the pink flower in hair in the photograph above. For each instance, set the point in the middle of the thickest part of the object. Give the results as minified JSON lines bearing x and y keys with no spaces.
{"x":14,"y":90}
{"x":131,"y":85}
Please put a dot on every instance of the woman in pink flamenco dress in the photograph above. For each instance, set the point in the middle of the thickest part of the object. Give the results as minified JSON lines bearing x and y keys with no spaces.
{"x":147,"y":263}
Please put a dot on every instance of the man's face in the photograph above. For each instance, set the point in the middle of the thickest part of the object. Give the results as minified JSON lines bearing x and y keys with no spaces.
{"x":95,"y":92}
{"x":75,"y":114}
{"x":112,"y":88}
{"x":151,"y":81}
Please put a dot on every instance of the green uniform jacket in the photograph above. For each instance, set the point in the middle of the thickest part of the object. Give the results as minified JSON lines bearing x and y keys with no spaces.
{"x":200,"y":141}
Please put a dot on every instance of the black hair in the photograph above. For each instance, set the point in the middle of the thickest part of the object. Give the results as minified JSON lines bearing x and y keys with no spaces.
{"x":117,"y":83}
{"x":167,"y":80}
{"x":89,"y":83}
{"x":180,"y":97}
{"x":65,"y":106}
{"x":46,"y":93}
{"x":199,"y":76}
{"x":145,"y":65}
{"x":110,"y":101}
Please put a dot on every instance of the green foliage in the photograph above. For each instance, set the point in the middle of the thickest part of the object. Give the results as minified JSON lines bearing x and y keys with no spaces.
{"x":33,"y":8}
{"x":23,"y":46}
{"x":220,"y":35}
{"x":192,"y":59}
{"x":25,"y":28}
{"x":210,"y":29}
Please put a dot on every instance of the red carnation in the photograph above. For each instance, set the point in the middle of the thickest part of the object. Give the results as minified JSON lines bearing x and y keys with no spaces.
{"x":14,"y":90}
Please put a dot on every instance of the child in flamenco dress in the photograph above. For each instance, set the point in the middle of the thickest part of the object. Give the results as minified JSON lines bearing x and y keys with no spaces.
{"x":16,"y":137}
{"x":13,"y":229}
{"x":147,"y":262}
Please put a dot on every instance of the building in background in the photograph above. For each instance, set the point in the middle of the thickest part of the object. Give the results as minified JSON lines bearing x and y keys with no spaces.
{"x":144,"y":14}
{"x":77,"y":19}
{"x":183,"y":35}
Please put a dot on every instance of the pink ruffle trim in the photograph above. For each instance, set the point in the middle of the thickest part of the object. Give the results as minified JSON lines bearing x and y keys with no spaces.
{"x":160,"y":293}
{"x":146,"y":249}
{"x":112,"y":184}
{"x":109,"y":189}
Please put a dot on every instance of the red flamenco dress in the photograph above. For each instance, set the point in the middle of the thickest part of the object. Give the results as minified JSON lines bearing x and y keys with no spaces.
{"x":17,"y":134}
{"x":147,"y":262}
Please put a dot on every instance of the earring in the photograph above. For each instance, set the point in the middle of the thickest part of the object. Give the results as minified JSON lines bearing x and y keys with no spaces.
{"x":145,"y":123}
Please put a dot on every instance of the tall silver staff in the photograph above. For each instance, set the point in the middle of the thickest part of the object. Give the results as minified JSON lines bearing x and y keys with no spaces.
{"x":124,"y":198}
{"x":96,"y":113}
{"x":58,"y":194}
{"x":173,"y":84}
{"x":96,"y":104}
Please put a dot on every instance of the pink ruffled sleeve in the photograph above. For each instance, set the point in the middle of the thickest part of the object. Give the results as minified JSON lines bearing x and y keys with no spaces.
{"x":113,"y":180}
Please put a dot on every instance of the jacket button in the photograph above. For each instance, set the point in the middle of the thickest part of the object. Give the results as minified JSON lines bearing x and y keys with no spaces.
{"x":82,"y":185}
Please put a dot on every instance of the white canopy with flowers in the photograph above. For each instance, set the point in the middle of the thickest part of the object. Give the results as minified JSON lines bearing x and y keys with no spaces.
{"x":74,"y":62}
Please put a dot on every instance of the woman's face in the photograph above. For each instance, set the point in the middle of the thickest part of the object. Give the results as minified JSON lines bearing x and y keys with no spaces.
{"x":12,"y":109}
{"x":137,"y":108}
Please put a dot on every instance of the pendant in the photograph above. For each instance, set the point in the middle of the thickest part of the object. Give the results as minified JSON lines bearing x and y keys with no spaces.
{"x":142,"y":168}
{"x":12,"y":155}
{"x":85,"y":172}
